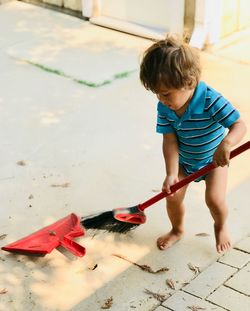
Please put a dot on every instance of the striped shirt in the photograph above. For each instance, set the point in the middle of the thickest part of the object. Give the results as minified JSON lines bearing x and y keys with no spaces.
{"x":201,"y":128}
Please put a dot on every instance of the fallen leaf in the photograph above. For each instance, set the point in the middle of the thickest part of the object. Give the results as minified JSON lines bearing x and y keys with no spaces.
{"x":142,"y":267}
{"x":94,"y":267}
{"x":170,"y":283}
{"x":159,"y":297}
{"x":3,"y":236}
{"x":107,"y":303}
{"x":196,"y":269}
{"x":65,"y":185}
{"x":202,"y":234}
{"x":185,"y":283}
{"x":196,"y":308}
{"x":3,"y":291}
{"x":21,"y":163}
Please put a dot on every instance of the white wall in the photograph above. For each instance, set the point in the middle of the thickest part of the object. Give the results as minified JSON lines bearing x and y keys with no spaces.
{"x":162,"y":14}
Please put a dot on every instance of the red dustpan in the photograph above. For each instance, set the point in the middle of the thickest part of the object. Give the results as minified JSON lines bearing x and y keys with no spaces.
{"x":42,"y":242}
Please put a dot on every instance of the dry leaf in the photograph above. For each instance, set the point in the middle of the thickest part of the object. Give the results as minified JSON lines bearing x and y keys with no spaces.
{"x":159,"y":297}
{"x":196,"y":308}
{"x":142,"y":267}
{"x":149,"y":269}
{"x":185,"y":283}
{"x":170,"y":283}
{"x":94,"y":267}
{"x":21,"y":163}
{"x":163,"y":269}
{"x":3,"y":291}
{"x":65,"y":185}
{"x":3,"y":236}
{"x":107,"y":303}
{"x":196,"y":269}
{"x":202,"y":234}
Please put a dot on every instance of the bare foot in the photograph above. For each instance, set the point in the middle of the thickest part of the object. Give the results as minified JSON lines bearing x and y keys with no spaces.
{"x":223,"y":241}
{"x":167,"y":240}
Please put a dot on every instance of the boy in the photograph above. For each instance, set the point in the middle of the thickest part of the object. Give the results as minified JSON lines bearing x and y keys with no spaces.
{"x":192,"y":118}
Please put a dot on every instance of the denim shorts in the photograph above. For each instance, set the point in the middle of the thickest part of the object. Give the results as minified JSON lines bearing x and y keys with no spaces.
{"x":188,"y":170}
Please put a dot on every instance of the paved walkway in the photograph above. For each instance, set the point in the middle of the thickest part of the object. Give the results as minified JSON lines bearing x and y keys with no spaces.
{"x":74,"y":114}
{"x":224,"y":285}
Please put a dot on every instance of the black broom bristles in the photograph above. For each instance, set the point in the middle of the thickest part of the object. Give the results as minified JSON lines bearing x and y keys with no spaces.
{"x":106,"y":221}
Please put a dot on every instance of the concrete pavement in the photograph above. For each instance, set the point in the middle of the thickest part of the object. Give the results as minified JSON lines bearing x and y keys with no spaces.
{"x":73,"y":110}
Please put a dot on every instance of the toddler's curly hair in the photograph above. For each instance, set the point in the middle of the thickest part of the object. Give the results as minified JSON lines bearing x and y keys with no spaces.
{"x":170,"y":62}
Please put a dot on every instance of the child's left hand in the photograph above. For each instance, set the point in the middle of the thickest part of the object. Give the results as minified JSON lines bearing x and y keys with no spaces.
{"x":222,"y":154}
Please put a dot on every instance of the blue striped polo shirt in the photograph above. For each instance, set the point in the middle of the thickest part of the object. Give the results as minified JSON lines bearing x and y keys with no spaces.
{"x":201,"y":128}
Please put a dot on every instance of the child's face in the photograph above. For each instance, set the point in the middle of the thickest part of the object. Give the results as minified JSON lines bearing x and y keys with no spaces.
{"x":174,"y":99}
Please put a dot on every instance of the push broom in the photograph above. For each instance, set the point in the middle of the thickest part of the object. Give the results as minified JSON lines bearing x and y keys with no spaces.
{"x":122,"y":220}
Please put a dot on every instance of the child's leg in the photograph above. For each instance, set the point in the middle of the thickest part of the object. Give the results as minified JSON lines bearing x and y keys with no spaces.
{"x":216,"y":183}
{"x":176,"y":211}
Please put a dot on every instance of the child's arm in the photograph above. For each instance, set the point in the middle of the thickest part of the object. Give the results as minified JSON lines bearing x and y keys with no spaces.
{"x":171,"y":156}
{"x":236,"y":132}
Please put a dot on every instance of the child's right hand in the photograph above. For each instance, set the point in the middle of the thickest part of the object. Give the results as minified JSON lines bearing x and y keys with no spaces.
{"x":168,"y":182}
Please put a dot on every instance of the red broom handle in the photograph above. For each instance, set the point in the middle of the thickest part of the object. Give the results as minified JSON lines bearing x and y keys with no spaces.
{"x":191,"y":178}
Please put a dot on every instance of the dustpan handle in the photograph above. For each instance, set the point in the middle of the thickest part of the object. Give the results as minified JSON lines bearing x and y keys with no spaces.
{"x":191,"y":178}
{"x":73,"y":247}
